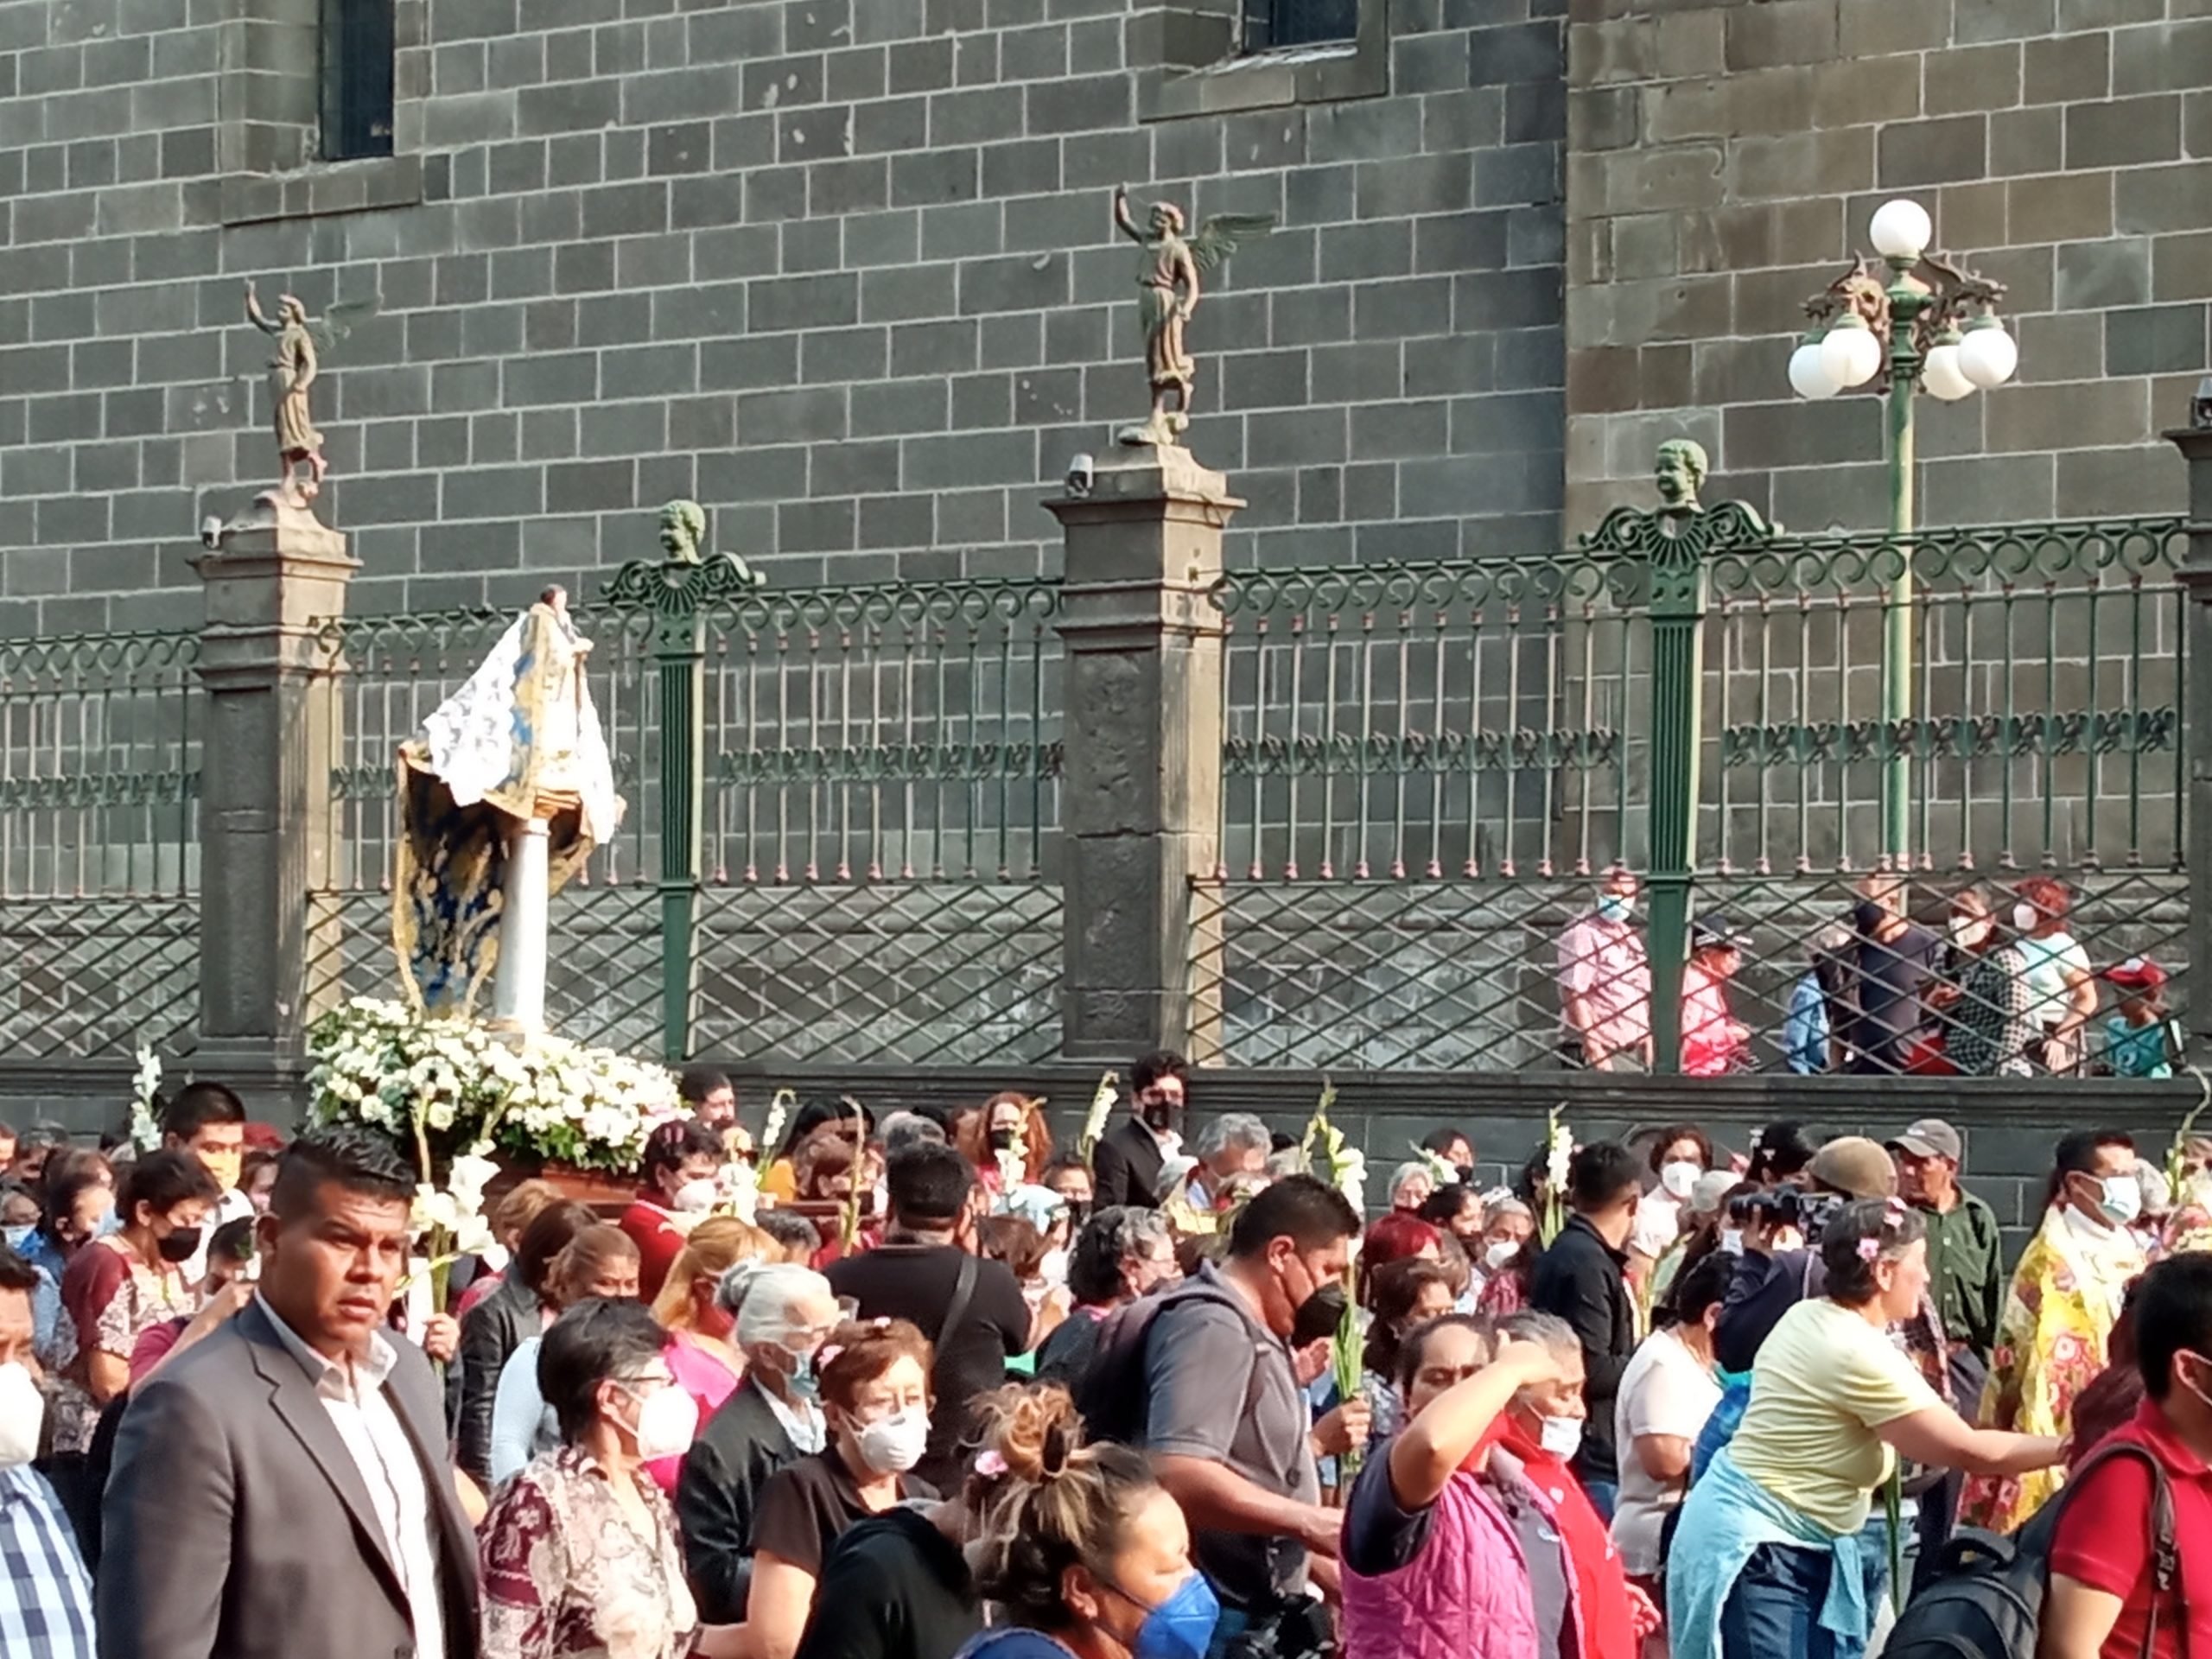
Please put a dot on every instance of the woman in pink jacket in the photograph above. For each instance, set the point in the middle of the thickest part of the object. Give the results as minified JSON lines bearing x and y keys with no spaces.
{"x":1448,"y":1551}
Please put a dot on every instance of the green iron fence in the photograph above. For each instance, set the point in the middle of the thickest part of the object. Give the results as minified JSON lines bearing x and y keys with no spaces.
{"x":1428,"y":767}
{"x":99,"y":786}
{"x":840,"y":810}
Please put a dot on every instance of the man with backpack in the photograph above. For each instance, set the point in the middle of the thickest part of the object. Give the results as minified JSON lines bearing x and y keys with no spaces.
{"x":2130,"y":1562}
{"x":1201,"y":1376}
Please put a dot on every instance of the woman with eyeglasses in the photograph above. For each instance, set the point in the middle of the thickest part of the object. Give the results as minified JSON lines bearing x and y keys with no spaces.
{"x":782,"y":1313}
{"x":579,"y":1553}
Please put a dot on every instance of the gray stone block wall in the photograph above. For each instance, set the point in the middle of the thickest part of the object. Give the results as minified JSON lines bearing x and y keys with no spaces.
{"x":1727,"y":155}
{"x":840,"y":268}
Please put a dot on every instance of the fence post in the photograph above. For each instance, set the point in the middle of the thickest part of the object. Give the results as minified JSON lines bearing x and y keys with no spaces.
{"x":2195,"y":443}
{"x":1670,"y":547}
{"x":1140,"y":774}
{"x":677,"y":592}
{"x":274,"y":576}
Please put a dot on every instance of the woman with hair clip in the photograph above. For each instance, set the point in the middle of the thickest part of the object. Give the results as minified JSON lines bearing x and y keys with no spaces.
{"x":1773,"y":1558}
{"x":1085,"y":1554}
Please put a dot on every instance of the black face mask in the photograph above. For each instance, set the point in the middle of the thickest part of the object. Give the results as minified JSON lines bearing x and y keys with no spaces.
{"x":1078,"y":1212}
{"x":1467,"y":1175}
{"x":1868,"y":917}
{"x":1000,"y":1140}
{"x":1159,"y":1116}
{"x":179,"y":1246}
{"x":1318,"y":1315}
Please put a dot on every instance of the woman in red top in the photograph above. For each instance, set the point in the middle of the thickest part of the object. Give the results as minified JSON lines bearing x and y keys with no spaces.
{"x":676,"y":1186}
{"x":1543,"y":1428}
{"x":2102,"y":1586}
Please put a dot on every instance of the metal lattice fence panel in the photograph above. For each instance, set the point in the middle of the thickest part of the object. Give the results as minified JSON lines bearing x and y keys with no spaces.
{"x":913,"y":973}
{"x":1414,"y":974}
{"x":97,"y":977}
{"x":603,"y":982}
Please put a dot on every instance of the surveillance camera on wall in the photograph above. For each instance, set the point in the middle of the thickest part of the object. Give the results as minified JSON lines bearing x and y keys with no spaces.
{"x":1081,"y":475}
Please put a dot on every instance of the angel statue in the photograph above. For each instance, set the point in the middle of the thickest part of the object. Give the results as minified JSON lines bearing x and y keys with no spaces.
{"x":301,"y":341}
{"x":503,"y":794}
{"x":1167,"y":293}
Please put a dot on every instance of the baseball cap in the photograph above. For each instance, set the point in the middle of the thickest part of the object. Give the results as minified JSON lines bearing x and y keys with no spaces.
{"x":1713,"y":928}
{"x":1856,"y":1166}
{"x":2136,"y":973}
{"x":1931,"y":1137}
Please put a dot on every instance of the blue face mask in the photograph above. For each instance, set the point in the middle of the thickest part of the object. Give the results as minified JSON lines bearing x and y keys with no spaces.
{"x":18,"y":1238}
{"x":1180,"y":1627}
{"x":1615,"y":906}
{"x":111,"y":1223}
{"x":805,"y":1383}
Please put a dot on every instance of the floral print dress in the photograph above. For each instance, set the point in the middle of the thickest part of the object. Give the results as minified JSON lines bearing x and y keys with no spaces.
{"x":110,"y":1298}
{"x":567,"y":1574}
{"x":2050,"y":1344}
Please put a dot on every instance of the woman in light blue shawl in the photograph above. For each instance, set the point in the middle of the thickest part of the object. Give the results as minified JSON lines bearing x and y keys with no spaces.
{"x":1774,"y":1558}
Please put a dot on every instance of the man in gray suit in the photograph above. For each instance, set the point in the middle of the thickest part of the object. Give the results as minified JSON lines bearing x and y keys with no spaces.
{"x":283,"y":1489}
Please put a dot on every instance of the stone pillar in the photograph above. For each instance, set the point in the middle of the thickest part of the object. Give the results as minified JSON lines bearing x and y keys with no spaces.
{"x":1141,"y":775}
{"x":274,"y":575}
{"x":2195,"y":443}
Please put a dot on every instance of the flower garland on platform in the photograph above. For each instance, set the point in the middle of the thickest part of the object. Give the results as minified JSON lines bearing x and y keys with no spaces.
{"x":449,"y":1094}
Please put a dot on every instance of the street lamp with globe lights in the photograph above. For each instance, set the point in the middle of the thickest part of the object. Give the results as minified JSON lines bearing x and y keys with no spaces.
{"x":1930,"y":328}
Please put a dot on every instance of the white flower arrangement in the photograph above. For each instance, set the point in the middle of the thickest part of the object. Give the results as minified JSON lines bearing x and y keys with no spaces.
{"x":453,"y":1084}
{"x":145,"y":1132}
{"x":1329,"y":1158}
{"x":1102,"y":1107}
{"x":1559,"y":1149}
{"x":1013,"y":1159}
{"x":450,"y":1093}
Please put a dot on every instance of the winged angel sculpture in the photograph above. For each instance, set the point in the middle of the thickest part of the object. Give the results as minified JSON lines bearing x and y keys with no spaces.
{"x":301,"y":341}
{"x":1167,"y":293}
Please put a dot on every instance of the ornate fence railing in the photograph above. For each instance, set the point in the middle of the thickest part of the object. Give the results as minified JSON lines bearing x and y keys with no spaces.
{"x":1428,"y":764}
{"x":99,"y":787}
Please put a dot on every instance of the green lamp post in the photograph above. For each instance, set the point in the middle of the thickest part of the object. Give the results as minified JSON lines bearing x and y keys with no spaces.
{"x":1928,"y":329}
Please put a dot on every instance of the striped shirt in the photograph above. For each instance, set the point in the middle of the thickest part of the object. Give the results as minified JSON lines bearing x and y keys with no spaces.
{"x":45,"y":1595}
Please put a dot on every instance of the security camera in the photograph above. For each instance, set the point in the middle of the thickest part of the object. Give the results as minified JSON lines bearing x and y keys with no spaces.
{"x":1081,"y":475}
{"x":210,"y":532}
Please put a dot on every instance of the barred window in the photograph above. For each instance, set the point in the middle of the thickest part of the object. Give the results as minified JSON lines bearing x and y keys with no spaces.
{"x":1271,"y":23}
{"x":356,"y":48}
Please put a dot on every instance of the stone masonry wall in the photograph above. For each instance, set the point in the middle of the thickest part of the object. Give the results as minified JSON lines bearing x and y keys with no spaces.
{"x":841,"y":269}
{"x":1726,"y":154}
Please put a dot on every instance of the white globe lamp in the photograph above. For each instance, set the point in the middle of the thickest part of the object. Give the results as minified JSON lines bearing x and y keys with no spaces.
{"x":1851,"y":353}
{"x":1987,"y":355}
{"x":1809,"y":377}
{"x":1941,"y":374}
{"x":1900,"y":230}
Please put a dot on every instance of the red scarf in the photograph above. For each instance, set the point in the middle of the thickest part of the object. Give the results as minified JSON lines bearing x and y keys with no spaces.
{"x":1608,"y":1625}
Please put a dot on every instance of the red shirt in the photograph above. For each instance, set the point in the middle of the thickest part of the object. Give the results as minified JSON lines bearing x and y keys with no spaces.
{"x":657,"y":1241}
{"x":1601,"y":1585}
{"x":2104,"y":1540}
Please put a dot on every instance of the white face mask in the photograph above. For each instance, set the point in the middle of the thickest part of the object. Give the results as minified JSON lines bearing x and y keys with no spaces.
{"x":667,"y":1419}
{"x":1680,"y":1177}
{"x":695,"y":1198}
{"x":22,"y":1412}
{"x":2026,"y":917}
{"x":1053,"y":1269}
{"x":1500,"y":1251}
{"x":2123,"y":1198}
{"x":1562,"y":1437}
{"x":1965,"y":930}
{"x":1732,"y":1241}
{"x":892,"y":1445}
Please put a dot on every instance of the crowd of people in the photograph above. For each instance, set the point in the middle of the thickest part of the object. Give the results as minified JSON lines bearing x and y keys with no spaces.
{"x":945,"y":1395}
{"x":1983,"y":984}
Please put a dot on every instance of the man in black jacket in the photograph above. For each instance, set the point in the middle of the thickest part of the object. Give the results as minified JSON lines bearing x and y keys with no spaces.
{"x":1125,"y":1164}
{"x":1579,"y":1277}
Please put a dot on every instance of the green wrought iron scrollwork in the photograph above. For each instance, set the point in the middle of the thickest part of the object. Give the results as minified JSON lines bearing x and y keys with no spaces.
{"x":888,"y":764}
{"x":2067,"y":553}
